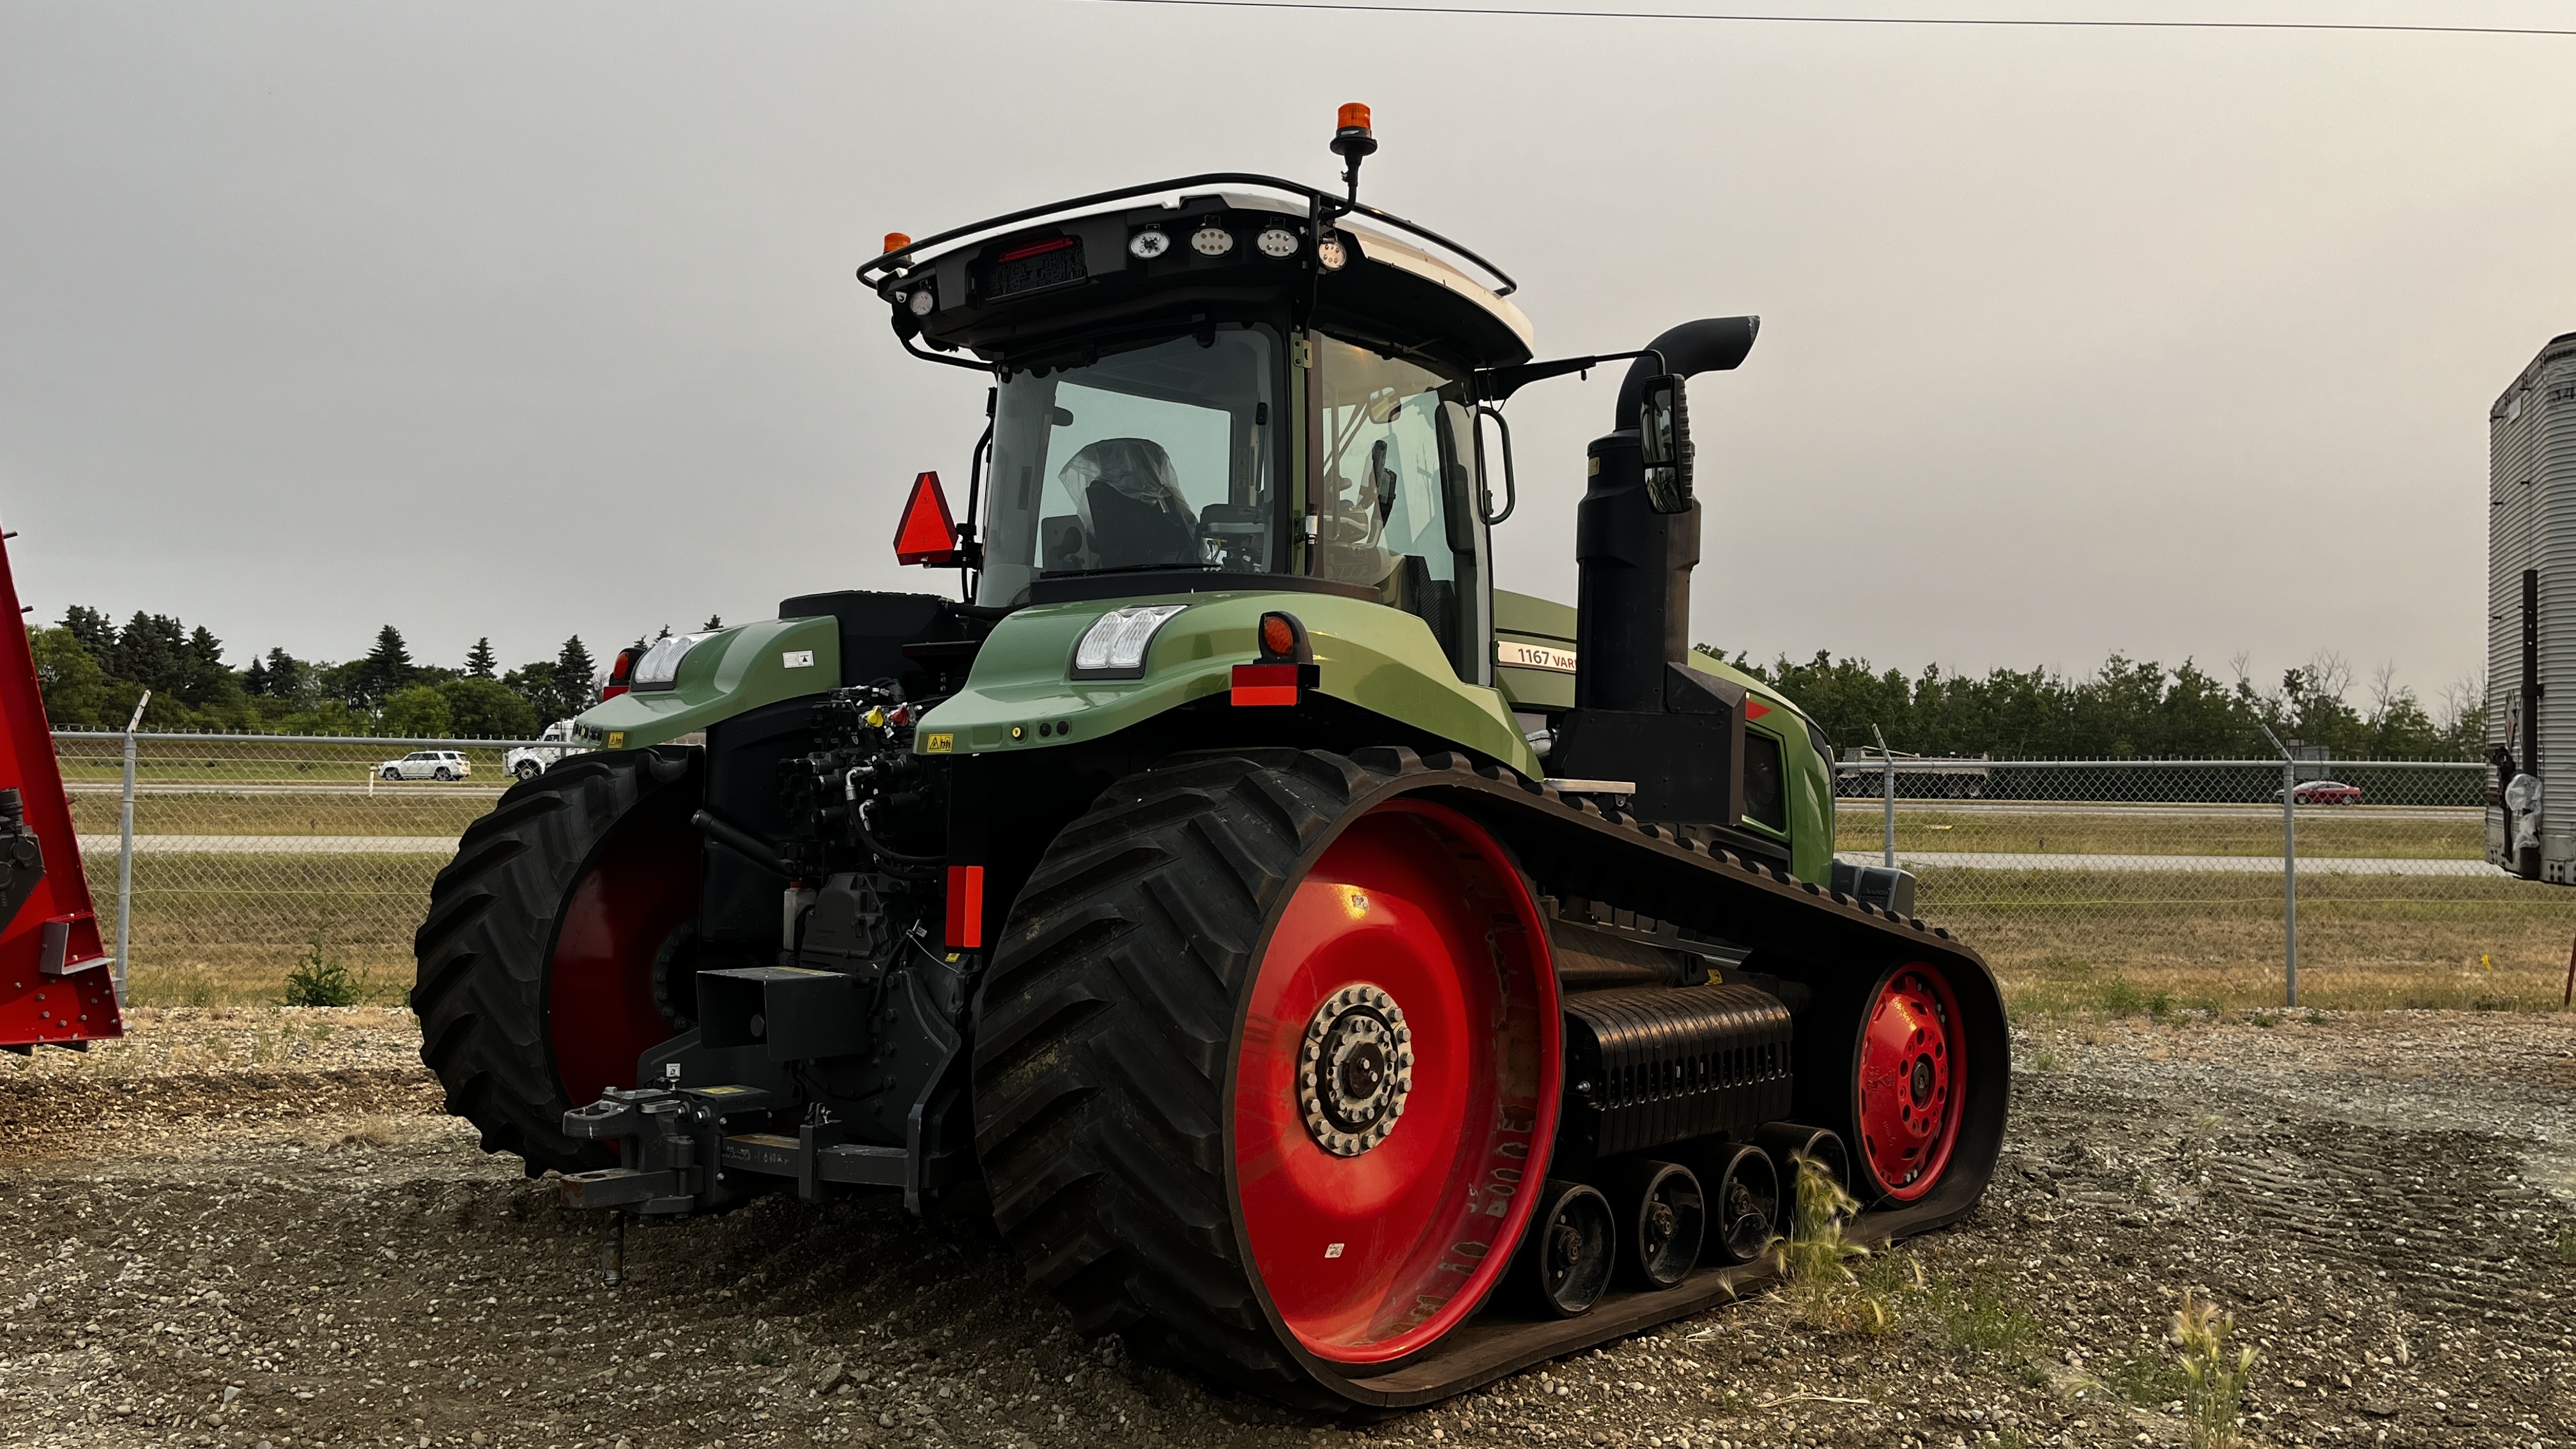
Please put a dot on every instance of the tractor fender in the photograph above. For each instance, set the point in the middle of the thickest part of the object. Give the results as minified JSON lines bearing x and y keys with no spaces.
{"x":730,"y":672}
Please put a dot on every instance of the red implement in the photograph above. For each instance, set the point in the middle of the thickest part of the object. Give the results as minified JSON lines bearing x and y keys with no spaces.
{"x":55,"y":981}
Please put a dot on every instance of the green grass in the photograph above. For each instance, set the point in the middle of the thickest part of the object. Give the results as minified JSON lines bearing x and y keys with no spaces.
{"x":1976,"y":1318}
{"x":269,"y":760}
{"x":2456,"y":834}
{"x":2146,"y":1377}
{"x":412,"y":809}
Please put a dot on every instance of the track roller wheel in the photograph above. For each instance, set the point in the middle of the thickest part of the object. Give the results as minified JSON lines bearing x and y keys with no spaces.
{"x":1787,"y":1142}
{"x":1261,"y":1073}
{"x":1662,"y":1217}
{"x":1745,"y":1210}
{"x":536,"y":986}
{"x":1565,"y":1263}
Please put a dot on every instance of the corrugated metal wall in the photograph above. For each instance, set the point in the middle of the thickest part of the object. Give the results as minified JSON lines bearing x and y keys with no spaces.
{"x":2531,"y":507}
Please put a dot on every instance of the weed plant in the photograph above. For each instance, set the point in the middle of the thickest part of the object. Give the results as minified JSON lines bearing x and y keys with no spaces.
{"x":2214,"y":1378}
{"x":320,"y":979}
{"x":1817,"y":1256}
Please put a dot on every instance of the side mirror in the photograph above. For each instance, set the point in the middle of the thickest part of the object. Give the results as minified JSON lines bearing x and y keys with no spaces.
{"x":1663,"y":439}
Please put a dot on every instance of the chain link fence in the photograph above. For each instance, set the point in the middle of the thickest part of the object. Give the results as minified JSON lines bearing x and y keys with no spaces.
{"x":2163,"y":885}
{"x":249,"y":855}
{"x":2122,"y":885}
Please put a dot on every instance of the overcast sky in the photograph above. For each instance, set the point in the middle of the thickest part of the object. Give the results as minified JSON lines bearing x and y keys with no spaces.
{"x":530,"y":319}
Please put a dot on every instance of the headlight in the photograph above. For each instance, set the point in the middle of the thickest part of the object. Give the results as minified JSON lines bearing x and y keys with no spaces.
{"x":922,"y":302}
{"x":661,"y":663}
{"x":1148,"y":244}
{"x":1330,"y":253}
{"x":1212,"y":241}
{"x":1114,"y":645}
{"x":1278,"y":241}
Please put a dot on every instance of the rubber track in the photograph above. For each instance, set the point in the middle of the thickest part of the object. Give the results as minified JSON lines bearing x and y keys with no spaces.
{"x":1101,"y":1051}
{"x":482,"y":951}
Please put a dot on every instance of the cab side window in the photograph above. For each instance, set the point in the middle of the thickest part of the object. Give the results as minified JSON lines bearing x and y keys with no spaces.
{"x":1393,"y":492}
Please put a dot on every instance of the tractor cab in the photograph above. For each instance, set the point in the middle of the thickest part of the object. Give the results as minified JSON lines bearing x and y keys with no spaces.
{"x":1221,"y":382}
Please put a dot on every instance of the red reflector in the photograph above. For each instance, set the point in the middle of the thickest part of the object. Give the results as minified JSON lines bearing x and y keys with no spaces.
{"x":1256,"y":684}
{"x":1038,"y":248}
{"x":965,"y":907}
{"x":611,"y":691}
{"x":928,"y":533}
{"x":1755,"y":709}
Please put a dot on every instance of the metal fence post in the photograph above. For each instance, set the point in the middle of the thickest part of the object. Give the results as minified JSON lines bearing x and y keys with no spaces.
{"x":125,"y":853}
{"x":1888,"y":773}
{"x":2289,"y":866}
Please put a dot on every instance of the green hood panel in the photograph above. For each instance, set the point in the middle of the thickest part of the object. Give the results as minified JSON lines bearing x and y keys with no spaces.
{"x":1381,"y":659}
{"x":726,"y":674}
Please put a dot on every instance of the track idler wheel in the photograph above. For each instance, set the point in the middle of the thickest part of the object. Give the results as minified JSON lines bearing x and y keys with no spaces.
{"x":1746,"y":1209}
{"x":1564,"y":1264}
{"x":1910,"y":1082}
{"x":1662,"y":1217}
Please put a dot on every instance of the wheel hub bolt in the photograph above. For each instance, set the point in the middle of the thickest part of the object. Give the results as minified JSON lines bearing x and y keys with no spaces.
{"x":1355,"y":1069}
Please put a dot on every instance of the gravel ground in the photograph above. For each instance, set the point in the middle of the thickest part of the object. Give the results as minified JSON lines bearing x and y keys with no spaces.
{"x":248,"y":1228}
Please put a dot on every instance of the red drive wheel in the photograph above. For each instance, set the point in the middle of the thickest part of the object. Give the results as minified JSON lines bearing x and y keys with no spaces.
{"x":600,"y":1012}
{"x":1911,"y":1073}
{"x":1395,"y":1087}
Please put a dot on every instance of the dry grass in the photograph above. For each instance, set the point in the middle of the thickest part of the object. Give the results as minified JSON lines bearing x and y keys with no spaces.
{"x":227,"y":930}
{"x":2117,"y":940}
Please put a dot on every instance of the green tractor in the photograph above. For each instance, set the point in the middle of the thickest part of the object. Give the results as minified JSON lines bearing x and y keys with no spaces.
{"x":1334,"y":974}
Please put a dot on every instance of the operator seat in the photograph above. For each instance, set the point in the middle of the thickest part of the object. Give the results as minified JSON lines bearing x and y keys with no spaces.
{"x":1131,"y":504}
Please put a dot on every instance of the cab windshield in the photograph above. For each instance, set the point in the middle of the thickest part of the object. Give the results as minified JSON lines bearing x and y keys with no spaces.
{"x":1165,"y":455}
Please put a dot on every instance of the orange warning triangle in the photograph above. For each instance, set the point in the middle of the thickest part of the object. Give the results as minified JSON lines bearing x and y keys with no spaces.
{"x":1755,"y":709}
{"x":928,"y":533}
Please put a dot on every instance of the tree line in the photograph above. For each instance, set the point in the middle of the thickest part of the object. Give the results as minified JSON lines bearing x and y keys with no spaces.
{"x":2128,"y":709}
{"x":92,"y":673}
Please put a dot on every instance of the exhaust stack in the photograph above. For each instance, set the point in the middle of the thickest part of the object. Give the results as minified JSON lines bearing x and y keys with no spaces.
{"x":1640,"y":710}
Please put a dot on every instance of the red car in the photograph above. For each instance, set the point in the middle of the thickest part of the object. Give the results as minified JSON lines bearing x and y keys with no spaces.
{"x":2325,"y":792}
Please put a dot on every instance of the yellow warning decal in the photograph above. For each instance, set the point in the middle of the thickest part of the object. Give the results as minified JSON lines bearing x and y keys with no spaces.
{"x":938,"y":743}
{"x":617,"y":739}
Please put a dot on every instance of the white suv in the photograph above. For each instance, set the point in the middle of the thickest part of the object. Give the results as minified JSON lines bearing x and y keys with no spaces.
{"x":426,"y":765}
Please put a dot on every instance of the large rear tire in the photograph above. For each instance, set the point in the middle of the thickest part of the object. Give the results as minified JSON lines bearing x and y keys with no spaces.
{"x":536,"y":988}
{"x":1262,"y":1078}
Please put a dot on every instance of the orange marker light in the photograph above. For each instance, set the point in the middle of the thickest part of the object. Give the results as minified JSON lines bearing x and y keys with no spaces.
{"x":896,"y":241}
{"x":1354,"y":117}
{"x":1278,"y":636}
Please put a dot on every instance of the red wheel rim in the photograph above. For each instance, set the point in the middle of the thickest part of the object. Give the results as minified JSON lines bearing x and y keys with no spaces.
{"x":599,"y":985}
{"x":1371,"y":1254}
{"x":1910,"y":1081}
